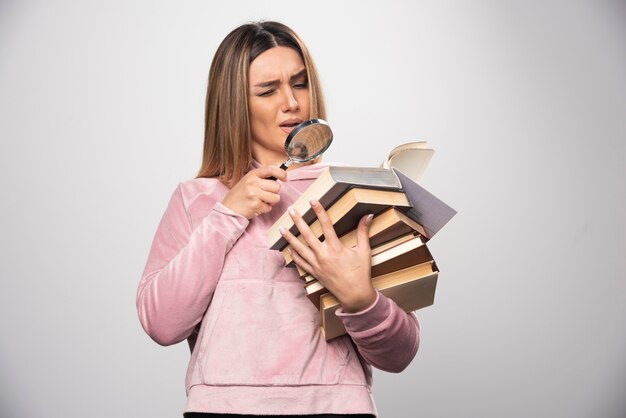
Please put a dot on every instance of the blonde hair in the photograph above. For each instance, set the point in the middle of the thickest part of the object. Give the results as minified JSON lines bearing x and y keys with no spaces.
{"x":227,"y":152}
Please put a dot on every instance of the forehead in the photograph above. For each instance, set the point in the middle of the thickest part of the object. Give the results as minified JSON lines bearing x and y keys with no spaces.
{"x":276,"y":63}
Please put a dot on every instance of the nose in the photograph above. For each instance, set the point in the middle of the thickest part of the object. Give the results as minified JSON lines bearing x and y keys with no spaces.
{"x":289,"y":100}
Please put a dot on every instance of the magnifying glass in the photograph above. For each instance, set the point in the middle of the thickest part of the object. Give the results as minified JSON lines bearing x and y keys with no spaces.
{"x":307,"y":141}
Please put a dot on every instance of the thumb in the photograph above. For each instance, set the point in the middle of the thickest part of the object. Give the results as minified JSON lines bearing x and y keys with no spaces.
{"x":362,"y":235}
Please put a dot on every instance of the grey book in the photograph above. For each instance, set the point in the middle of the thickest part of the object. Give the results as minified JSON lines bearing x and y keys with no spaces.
{"x":425,"y":209}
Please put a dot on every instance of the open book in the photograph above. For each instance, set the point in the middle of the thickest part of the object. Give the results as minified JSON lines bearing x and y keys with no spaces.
{"x":332,"y":184}
{"x":411,"y":158}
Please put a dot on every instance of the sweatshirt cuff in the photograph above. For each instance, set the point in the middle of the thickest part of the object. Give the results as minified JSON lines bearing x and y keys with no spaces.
{"x":231,"y":224}
{"x":368,"y":318}
{"x":219,"y":206}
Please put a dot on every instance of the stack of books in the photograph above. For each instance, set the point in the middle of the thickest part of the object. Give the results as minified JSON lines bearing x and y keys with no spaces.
{"x":406,"y":216}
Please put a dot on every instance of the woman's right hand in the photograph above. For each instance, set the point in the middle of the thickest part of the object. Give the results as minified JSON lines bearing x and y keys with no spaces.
{"x":255,"y":194}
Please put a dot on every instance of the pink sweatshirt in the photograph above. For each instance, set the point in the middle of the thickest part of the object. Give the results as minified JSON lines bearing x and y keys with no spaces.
{"x":256,"y":345}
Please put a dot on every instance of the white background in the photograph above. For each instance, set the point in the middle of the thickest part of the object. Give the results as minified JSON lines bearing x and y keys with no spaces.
{"x":101,"y":115}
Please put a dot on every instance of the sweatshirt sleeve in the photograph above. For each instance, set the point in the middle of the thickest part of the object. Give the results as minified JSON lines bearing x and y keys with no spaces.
{"x":385,"y":335}
{"x":183,"y":268}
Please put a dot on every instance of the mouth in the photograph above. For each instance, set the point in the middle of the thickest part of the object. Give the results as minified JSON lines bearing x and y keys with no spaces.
{"x":289,"y":124}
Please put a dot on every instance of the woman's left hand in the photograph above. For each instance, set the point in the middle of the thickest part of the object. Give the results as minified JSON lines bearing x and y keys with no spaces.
{"x":344,"y":271}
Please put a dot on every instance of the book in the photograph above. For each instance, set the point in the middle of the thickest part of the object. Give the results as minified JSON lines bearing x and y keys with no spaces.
{"x":424,"y":207}
{"x":401,"y":256}
{"x":385,"y":227}
{"x":411,"y":250}
{"x":411,"y":158}
{"x":411,"y":289}
{"x":328,"y":188}
{"x":390,"y":244}
{"x":314,"y":289}
{"x":357,"y":202}
{"x":374,"y":252}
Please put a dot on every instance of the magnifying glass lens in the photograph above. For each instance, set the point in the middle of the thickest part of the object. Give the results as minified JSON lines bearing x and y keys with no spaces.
{"x":308,"y":140}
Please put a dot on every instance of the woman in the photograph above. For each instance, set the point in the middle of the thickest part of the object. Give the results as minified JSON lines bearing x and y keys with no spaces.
{"x":256,"y":347}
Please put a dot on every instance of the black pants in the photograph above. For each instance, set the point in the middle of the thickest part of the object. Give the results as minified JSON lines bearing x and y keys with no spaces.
{"x":204,"y":415}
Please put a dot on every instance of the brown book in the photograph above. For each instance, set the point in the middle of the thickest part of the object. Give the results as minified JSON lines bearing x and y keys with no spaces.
{"x":385,"y":227}
{"x":375,"y":251}
{"x":314,"y":289}
{"x":403,"y":254}
{"x":390,"y":244}
{"x":411,"y":288}
{"x":330,"y":186}
{"x":411,"y":158}
{"x":346,"y":212}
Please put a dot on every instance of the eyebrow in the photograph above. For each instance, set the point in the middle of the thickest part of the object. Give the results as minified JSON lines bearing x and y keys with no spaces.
{"x":273,"y":83}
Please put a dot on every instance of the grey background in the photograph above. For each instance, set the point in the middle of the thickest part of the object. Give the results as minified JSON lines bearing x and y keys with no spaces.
{"x":101,"y":114}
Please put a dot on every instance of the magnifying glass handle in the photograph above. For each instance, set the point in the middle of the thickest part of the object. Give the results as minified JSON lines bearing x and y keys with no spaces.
{"x":283,"y":166}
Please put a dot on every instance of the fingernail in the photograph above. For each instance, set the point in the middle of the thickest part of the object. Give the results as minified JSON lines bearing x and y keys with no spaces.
{"x":282,"y":230}
{"x":313,"y":202}
{"x":369,"y":218}
{"x":291,"y":211}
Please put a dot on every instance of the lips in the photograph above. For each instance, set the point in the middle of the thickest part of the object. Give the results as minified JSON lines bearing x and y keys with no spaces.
{"x":288,"y":125}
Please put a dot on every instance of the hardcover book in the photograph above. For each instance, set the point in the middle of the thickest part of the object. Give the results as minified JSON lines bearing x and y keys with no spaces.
{"x":333,"y":183}
{"x":411,"y":289}
{"x":385,"y":227}
{"x":407,"y":253}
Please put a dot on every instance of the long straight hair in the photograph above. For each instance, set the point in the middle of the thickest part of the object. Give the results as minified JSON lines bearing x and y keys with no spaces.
{"x":227,"y":151}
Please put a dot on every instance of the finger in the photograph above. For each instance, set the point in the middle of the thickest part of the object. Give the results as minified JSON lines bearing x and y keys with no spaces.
{"x":330,"y":236}
{"x":269,"y":185}
{"x":299,"y":260}
{"x":268,"y":197}
{"x":255,"y":194}
{"x":263,"y":208}
{"x":301,"y":248}
{"x":309,"y":237}
{"x":362,"y":234}
{"x":271,"y":171}
{"x":258,"y":208}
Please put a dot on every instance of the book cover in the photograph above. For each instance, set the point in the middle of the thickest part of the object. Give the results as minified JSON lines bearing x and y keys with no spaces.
{"x":401,"y":256}
{"x":407,"y":253}
{"x":374,"y":251}
{"x":328,"y":188}
{"x":385,"y":227}
{"x":425,"y":209}
{"x":346,"y":212}
{"x":411,"y":289}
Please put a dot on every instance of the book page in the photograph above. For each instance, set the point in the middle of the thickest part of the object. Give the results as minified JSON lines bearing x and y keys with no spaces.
{"x":411,"y":158}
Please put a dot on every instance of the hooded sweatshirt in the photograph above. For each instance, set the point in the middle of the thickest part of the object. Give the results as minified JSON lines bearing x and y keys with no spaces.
{"x":255,"y":340}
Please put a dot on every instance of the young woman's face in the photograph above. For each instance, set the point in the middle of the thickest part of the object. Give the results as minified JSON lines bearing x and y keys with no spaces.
{"x":279,"y":100}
